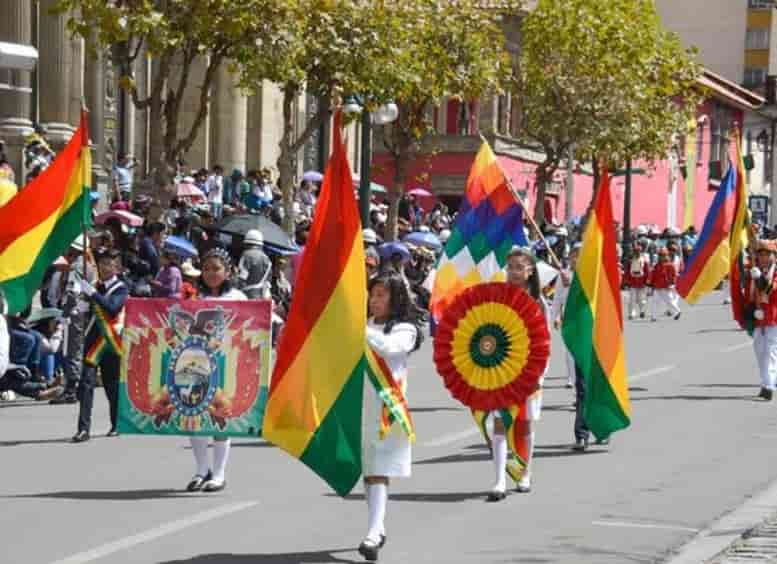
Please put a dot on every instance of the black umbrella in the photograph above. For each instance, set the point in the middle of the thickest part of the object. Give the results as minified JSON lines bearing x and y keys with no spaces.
{"x":275,"y":238}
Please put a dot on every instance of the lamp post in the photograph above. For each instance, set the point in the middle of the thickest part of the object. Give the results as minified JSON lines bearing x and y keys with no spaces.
{"x":383,"y":115}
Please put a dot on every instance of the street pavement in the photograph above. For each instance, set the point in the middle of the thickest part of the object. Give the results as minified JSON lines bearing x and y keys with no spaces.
{"x":699,"y":447}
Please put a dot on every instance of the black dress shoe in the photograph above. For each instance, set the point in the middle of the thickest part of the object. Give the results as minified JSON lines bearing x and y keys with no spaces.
{"x":212,"y":486}
{"x":80,"y":437}
{"x":768,"y":395}
{"x":197,"y":482}
{"x":522,"y":489}
{"x":112,"y":433}
{"x":383,"y":539}
{"x":64,"y":399}
{"x":369,"y":550}
{"x":495,"y":495}
{"x":581,"y":445}
{"x":762,"y":393}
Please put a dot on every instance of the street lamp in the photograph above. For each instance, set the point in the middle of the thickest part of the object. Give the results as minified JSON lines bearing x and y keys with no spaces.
{"x":385,"y":114}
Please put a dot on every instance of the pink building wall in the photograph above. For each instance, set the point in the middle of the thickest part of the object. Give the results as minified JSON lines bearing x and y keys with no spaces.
{"x":650,"y":192}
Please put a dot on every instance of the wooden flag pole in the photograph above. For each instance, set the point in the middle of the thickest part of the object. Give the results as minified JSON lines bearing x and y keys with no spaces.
{"x":527,"y":214}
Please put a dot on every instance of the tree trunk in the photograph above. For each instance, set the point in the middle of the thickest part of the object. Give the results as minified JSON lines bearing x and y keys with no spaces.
{"x":542,"y":176}
{"x":286,"y":162}
{"x":158,"y":165}
{"x":401,"y":167}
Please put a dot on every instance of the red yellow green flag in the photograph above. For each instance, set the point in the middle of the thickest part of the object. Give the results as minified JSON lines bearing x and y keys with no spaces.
{"x":593,"y":322}
{"x":43,"y":219}
{"x":314,"y":409}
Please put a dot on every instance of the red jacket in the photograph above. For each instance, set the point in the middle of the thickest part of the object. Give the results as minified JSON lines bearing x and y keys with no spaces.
{"x":637,"y":275}
{"x":664,"y":276}
{"x":769,"y":309}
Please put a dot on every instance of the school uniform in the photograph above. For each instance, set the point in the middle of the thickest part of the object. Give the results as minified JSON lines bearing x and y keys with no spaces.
{"x":637,"y":276}
{"x":105,"y":320}
{"x":662,"y":279}
{"x":764,"y":305}
{"x":560,"y":295}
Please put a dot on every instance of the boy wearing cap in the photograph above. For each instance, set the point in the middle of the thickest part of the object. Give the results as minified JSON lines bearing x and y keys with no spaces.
{"x":761,"y":302}
{"x":662,"y":281}
{"x":637,"y":275}
{"x":102,"y":345}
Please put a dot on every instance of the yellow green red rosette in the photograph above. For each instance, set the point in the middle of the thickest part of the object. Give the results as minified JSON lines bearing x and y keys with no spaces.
{"x":491,"y":346}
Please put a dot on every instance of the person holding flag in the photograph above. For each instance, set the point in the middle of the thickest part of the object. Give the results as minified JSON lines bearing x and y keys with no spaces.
{"x":102,"y":343}
{"x":761,"y":307}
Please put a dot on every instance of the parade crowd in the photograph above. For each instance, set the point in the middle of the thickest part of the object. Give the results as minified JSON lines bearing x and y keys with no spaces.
{"x":52,"y":351}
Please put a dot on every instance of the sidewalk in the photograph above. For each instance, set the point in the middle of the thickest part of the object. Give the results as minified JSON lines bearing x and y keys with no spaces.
{"x":747,"y":534}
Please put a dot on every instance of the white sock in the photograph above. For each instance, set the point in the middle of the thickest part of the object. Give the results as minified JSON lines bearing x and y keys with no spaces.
{"x":499,"y":456}
{"x":200,"y":450}
{"x":377,"y":495}
{"x":526,"y":477}
{"x":220,"y":458}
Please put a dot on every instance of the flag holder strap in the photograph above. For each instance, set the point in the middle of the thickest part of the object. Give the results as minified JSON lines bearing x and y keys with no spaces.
{"x":526,"y":213}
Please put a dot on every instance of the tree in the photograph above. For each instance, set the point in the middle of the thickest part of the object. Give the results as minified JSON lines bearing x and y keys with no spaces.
{"x":605,"y":77}
{"x":446,"y":49}
{"x":175,"y":34}
{"x":326,"y":49}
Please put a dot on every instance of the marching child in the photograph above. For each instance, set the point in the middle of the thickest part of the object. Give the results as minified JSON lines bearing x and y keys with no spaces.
{"x":521,"y":272}
{"x":393,"y":334}
{"x":105,"y":321}
{"x":560,"y":302}
{"x":662,"y":281}
{"x":761,"y":300}
{"x":637,"y":275}
{"x":216,"y":266}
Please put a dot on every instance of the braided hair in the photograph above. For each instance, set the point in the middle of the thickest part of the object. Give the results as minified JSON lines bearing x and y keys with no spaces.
{"x":401,"y":308}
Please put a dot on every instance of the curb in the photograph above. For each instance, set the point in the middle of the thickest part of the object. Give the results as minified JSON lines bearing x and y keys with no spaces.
{"x":727,"y":530}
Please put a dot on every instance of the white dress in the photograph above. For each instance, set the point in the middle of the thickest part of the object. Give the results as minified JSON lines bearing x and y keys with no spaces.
{"x":391,"y":456}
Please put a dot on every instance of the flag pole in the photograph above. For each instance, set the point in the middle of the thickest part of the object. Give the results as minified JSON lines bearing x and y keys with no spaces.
{"x":84,"y":144}
{"x":526,"y":213}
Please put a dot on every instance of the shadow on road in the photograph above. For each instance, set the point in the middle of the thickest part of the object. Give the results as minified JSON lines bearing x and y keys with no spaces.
{"x":317,"y":557}
{"x":129,"y":495}
{"x":456,"y":458}
{"x":727,"y":330}
{"x":746,"y":386}
{"x":256,"y":444}
{"x":33,"y":442}
{"x":434,"y":409}
{"x":441,"y":497}
{"x":690,"y":397}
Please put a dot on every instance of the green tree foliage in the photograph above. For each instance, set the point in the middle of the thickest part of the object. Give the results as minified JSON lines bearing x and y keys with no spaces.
{"x":325,"y":48}
{"x":174,"y":34}
{"x":604,"y":77}
{"x":445,"y":49}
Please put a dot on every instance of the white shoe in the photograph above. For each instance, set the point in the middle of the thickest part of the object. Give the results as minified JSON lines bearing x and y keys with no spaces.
{"x":8,"y":395}
{"x":524,"y":484}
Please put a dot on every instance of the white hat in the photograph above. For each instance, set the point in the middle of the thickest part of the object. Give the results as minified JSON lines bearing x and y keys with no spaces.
{"x":642,"y":230}
{"x":78,"y":244}
{"x":562,"y":232}
{"x":187,"y":269}
{"x":445,"y":234}
{"x":369,"y":236}
{"x":253,"y":237}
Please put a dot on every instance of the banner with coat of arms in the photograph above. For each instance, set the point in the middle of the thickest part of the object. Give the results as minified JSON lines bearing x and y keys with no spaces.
{"x":199,"y":367}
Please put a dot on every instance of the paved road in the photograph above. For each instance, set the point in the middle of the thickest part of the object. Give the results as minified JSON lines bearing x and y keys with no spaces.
{"x":699,"y":447}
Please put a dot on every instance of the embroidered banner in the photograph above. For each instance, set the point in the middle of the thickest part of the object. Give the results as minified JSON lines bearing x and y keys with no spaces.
{"x":199,"y":367}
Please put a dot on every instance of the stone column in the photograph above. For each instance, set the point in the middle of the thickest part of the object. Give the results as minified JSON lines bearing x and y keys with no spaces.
{"x":265,"y":127}
{"x":15,"y":124}
{"x":54,"y":69}
{"x":229,"y":119}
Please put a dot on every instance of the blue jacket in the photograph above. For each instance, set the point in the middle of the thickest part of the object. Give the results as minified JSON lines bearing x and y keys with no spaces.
{"x":111,"y":300}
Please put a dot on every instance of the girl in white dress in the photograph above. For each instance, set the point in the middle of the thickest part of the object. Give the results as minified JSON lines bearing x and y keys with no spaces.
{"x":215,"y":286}
{"x":521,"y":272}
{"x":393,"y":334}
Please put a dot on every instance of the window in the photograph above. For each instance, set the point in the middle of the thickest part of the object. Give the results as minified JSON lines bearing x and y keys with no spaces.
{"x":757,"y":38}
{"x":755,"y":76}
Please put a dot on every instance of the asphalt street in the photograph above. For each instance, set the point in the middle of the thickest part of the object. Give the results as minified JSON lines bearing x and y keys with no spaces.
{"x":699,"y":447}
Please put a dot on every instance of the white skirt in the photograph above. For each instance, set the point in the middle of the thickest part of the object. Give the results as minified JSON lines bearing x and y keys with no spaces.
{"x":392,"y":456}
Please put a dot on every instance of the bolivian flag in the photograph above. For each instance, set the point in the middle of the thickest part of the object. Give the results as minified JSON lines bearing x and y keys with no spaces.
{"x":314,"y":408}
{"x":43,"y":219}
{"x":593,"y":323}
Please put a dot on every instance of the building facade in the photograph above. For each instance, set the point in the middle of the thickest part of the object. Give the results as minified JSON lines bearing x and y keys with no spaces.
{"x":241,"y":131}
{"x":717,"y":28}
